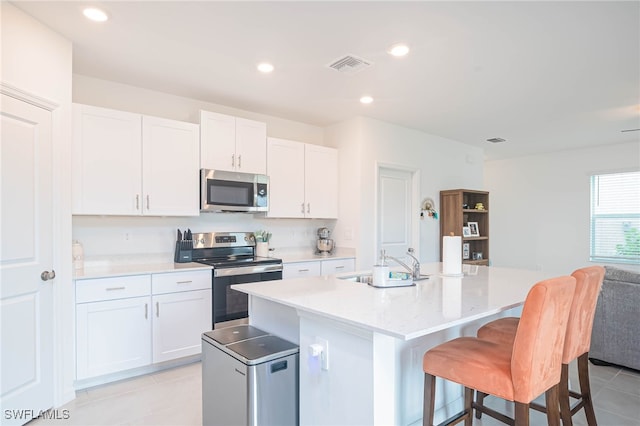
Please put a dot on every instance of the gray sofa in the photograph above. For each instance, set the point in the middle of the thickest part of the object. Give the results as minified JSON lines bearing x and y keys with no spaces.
{"x":616,"y":327}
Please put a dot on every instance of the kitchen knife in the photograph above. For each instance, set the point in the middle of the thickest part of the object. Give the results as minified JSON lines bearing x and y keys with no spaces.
{"x":189,"y":235}
{"x":179,"y":235}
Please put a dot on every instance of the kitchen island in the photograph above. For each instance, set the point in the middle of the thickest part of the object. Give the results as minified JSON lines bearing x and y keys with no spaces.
{"x":375,"y":338}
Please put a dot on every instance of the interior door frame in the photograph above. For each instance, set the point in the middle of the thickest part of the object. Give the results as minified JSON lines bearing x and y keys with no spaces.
{"x":62,"y":290}
{"x":415,"y":205}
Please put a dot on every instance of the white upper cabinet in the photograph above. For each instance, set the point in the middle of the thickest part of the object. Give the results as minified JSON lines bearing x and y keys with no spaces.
{"x":129,"y":164}
{"x":321,"y":181}
{"x":303,"y":180}
{"x":107,"y":158}
{"x":285,"y":167}
{"x":232,"y":143}
{"x":170,"y":177}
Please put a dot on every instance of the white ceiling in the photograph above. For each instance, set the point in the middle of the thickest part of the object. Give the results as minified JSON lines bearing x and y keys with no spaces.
{"x":543,"y":75}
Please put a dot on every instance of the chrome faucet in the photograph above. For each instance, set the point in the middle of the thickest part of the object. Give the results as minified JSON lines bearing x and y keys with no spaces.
{"x":414,"y":270}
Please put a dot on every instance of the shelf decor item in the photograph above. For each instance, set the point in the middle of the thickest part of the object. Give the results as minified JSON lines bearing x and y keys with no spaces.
{"x":465,"y":251}
{"x":473,"y":229}
{"x":466,"y":231}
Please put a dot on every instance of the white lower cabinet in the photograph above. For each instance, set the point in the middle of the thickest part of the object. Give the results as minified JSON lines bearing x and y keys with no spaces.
{"x":337,"y":266}
{"x":112,"y":336}
{"x":178,"y":323}
{"x":134,"y":321}
{"x":315,"y":268}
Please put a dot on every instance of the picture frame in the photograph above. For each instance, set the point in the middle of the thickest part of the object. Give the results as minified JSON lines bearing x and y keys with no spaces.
{"x":477,"y":255}
{"x":465,"y":251}
{"x":473,"y":229}
{"x":466,"y":232}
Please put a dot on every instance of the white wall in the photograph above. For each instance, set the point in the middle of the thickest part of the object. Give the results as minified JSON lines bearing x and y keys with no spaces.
{"x":540,"y":205}
{"x":155,"y":236}
{"x":38,"y":61}
{"x":364,"y":143}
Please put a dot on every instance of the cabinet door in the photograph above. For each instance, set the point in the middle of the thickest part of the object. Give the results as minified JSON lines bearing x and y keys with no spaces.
{"x":112,"y":336}
{"x":217,"y":141}
{"x":321,"y":182}
{"x":251,"y":146}
{"x":337,"y":266}
{"x":300,"y":269}
{"x":106,"y":161}
{"x":170,"y":178}
{"x":285,"y":167}
{"x":179,"y":319}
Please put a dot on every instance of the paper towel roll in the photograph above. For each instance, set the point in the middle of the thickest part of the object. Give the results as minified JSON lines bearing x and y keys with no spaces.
{"x":452,"y":255}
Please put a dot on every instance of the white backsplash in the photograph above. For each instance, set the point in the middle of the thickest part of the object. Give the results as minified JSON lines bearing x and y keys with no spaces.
{"x":155,"y":236}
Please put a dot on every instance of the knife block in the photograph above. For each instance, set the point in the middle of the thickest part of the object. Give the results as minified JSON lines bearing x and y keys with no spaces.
{"x":184,"y":250}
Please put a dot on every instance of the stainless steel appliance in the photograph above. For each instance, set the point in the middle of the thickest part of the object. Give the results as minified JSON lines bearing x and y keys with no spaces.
{"x":232,"y":255}
{"x":249,"y":377}
{"x":222,"y":191}
{"x":324,"y":244}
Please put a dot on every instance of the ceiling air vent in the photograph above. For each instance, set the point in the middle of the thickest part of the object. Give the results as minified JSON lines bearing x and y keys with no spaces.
{"x":496,"y":140}
{"x":350,"y":64}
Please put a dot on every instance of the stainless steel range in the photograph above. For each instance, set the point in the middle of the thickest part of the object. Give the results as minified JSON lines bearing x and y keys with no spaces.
{"x":232,"y":255}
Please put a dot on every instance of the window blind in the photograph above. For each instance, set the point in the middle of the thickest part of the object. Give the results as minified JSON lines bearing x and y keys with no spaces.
{"x":615,"y":217}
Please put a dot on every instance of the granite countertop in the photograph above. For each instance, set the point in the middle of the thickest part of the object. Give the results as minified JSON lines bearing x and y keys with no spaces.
{"x":404,"y":312}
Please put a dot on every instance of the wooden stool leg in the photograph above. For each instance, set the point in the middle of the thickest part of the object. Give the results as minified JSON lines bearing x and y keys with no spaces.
{"x":468,"y":411}
{"x":553,"y":406}
{"x":480,"y":396}
{"x":585,"y":388}
{"x":565,"y":403}
{"x":429,"y":399}
{"x":521,"y":412}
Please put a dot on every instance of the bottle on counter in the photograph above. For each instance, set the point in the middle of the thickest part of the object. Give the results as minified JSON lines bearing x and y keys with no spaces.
{"x":77,"y":252}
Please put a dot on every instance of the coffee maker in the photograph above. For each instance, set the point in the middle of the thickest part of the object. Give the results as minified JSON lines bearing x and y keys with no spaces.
{"x":324,"y":243}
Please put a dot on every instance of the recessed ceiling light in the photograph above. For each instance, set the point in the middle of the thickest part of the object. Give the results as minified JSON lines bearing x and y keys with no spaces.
{"x":398,"y":49}
{"x":366,"y":99}
{"x":265,"y":67}
{"x":95,"y":14}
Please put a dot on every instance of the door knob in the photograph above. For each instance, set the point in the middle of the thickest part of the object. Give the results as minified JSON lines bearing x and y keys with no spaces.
{"x":47,"y":275}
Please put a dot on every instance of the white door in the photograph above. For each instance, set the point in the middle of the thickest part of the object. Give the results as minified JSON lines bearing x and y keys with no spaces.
{"x":217,"y":141}
{"x":26,"y":312}
{"x":170,"y":180}
{"x":395,"y":192}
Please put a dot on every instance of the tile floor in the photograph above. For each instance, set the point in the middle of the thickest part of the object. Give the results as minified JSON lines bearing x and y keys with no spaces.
{"x":173,"y":397}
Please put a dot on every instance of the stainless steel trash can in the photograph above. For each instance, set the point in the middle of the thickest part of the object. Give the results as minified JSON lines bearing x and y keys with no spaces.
{"x":249,"y":377}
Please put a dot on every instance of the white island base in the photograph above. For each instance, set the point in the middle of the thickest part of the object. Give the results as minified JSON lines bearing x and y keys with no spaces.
{"x":376,"y":338}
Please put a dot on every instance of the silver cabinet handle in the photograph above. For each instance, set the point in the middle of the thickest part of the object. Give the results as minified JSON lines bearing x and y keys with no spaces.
{"x":137,"y":201}
{"x":146,"y":311}
{"x":158,"y":309}
{"x":233,"y":160}
{"x":114,"y":288}
{"x":239,"y":161}
{"x":303,"y":270}
{"x":147,"y":202}
{"x":302,"y":208}
{"x":184,"y":282}
{"x":308,"y":207}
{"x":47,"y":275}
{"x":340,"y":267}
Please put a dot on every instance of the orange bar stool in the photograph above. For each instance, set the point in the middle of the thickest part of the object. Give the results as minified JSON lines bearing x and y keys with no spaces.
{"x":576,"y":345}
{"x":516,"y":372}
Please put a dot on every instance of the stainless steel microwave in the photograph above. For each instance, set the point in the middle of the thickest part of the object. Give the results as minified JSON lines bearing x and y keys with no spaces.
{"x":223,"y":191}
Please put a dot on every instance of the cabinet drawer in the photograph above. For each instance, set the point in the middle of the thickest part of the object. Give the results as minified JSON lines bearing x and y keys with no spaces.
{"x":337,"y":266}
{"x":99,"y":289}
{"x":174,"y":282}
{"x":301,"y":269}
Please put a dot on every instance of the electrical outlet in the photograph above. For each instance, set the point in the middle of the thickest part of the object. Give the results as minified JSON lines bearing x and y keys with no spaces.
{"x":127,"y":236}
{"x":324,"y":355}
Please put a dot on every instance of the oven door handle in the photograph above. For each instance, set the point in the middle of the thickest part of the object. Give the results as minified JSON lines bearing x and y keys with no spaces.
{"x":246,"y":270}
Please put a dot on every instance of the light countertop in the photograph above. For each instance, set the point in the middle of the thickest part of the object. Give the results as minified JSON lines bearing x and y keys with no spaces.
{"x":293,"y":255}
{"x":405,"y":312}
{"x":115,"y":266}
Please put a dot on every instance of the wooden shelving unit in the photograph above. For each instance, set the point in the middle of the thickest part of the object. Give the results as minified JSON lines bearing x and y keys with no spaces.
{"x":457,"y":209}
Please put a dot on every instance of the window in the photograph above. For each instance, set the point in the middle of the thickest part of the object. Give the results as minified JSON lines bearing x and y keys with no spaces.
{"x":615,"y":217}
